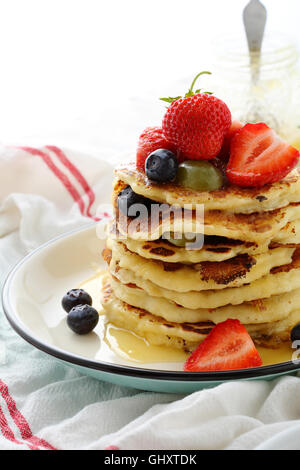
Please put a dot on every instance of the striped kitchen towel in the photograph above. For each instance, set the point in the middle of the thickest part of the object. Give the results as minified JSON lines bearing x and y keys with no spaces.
{"x":47,"y":405}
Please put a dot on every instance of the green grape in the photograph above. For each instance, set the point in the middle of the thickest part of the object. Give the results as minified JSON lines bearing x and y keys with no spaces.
{"x":200,"y":175}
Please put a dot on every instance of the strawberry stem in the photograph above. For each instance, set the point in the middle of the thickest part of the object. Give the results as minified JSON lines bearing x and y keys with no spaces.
{"x":195,"y":79}
{"x":191,"y":91}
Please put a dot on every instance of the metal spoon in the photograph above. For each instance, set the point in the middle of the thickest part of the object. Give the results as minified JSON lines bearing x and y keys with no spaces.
{"x":255,"y":18}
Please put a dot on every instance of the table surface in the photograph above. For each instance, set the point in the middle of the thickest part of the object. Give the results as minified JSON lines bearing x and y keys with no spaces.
{"x":87,"y":74}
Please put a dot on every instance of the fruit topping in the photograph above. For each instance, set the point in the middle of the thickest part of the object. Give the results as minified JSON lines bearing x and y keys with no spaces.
{"x":82,"y":319}
{"x":127,"y":198}
{"x":227,"y":347}
{"x":150,"y":140}
{"x":161,"y":166}
{"x":258,"y":156}
{"x":196,"y":124}
{"x":202,"y":176}
{"x":221,"y":165}
{"x":225,"y":150}
{"x":75,"y":297}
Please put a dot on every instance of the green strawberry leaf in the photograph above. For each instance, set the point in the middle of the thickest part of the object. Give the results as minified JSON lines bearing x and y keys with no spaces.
{"x":190,"y":92}
{"x":170,"y":100}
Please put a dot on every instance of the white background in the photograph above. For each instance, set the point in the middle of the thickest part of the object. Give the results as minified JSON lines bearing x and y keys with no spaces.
{"x":88,"y":73}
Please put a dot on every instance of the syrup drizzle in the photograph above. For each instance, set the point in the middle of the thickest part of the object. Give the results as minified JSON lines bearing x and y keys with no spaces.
{"x":128,"y":346}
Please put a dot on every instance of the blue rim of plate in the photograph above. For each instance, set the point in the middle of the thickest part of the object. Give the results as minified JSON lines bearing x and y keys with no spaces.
{"x":128,"y":371}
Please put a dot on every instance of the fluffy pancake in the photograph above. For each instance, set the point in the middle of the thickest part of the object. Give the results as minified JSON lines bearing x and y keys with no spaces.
{"x":247,"y":269}
{"x":208,"y":275}
{"x":232,"y":198}
{"x":151,"y":327}
{"x":280,"y":280}
{"x":257,"y":227}
{"x":271,"y":334}
{"x":289,"y":234}
{"x":275,"y":308}
{"x":214,"y":248}
{"x":186,"y":335}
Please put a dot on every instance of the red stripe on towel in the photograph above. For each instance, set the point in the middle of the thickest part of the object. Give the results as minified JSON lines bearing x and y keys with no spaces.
{"x":77,"y":174}
{"x":9,"y":435}
{"x":59,"y":174}
{"x":24,"y":428}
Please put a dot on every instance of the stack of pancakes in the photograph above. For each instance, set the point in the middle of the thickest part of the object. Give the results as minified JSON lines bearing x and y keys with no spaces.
{"x":247,"y":269}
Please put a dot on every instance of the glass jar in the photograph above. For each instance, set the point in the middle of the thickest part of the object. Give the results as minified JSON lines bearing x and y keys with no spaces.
{"x":259,"y":89}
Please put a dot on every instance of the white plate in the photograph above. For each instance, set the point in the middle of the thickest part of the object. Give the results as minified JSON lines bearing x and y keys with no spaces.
{"x":32,"y":303}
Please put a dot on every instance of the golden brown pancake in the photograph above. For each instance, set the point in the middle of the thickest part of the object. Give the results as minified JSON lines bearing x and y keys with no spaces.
{"x":248,"y":267}
{"x":185,"y":335}
{"x":257,"y":228}
{"x":286,"y":279}
{"x":151,"y":327}
{"x":232,"y":198}
{"x":208,"y":275}
{"x":272,"y":309}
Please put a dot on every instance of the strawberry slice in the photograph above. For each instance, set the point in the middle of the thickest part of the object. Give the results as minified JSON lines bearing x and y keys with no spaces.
{"x":258,"y":156}
{"x":227,"y":347}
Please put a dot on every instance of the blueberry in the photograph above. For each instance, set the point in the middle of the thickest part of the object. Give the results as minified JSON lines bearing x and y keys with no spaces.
{"x":82,"y":319}
{"x":295,"y":333}
{"x":75,"y":297}
{"x":127,"y":198}
{"x":161,"y":166}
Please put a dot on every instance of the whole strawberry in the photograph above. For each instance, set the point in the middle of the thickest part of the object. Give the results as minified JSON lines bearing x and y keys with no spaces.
{"x":196,"y":124}
{"x":151,"y":139}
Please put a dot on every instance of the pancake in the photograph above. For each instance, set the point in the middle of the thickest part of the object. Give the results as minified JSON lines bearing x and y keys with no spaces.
{"x":271,"y":334}
{"x":247,"y":269}
{"x":275,"y":308}
{"x":289,"y":234}
{"x":280,"y":280}
{"x":208,"y":275}
{"x":232,"y":198}
{"x":186,"y":335}
{"x":257,"y":227}
{"x":151,"y":327}
{"x":214,"y":248}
